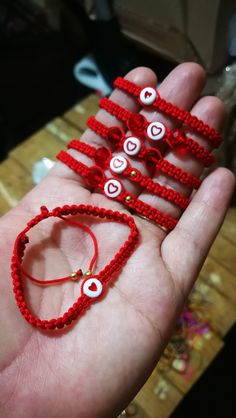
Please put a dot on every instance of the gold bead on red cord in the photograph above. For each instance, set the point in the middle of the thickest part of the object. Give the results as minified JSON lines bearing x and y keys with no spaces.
{"x":93,"y":285}
{"x":121,"y":166}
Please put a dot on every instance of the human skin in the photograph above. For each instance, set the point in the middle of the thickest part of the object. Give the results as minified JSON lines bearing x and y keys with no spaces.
{"x":94,"y":368}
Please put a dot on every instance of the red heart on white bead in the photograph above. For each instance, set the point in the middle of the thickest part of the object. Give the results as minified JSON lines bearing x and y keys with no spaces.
{"x":147,"y":95}
{"x":132,"y":145}
{"x":112,"y":188}
{"x":155,"y":131}
{"x":118,"y":164}
{"x":92,"y":287}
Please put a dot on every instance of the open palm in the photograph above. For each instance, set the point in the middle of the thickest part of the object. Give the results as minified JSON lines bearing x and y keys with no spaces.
{"x":94,"y":368}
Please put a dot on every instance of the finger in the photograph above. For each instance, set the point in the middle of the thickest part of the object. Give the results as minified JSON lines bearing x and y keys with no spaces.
{"x":173,"y":88}
{"x":140,"y":76}
{"x":211,"y":111}
{"x":185,"y":248}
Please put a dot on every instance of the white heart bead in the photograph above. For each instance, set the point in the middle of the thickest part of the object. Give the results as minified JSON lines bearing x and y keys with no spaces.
{"x":156,"y":131}
{"x":118,"y":164}
{"x":112,"y":188}
{"x":87,"y":284}
{"x":148,"y":95}
{"x":132,"y":145}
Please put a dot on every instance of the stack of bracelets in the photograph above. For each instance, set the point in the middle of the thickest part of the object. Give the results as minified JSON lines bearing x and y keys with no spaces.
{"x":134,"y":147}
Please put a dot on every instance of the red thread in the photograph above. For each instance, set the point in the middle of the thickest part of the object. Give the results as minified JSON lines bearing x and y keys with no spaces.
{"x":128,"y":199}
{"x":151,"y":156}
{"x":174,"y":138}
{"x":179,"y":139}
{"x":170,"y":109}
{"x":79,"y":272}
{"x":94,"y":286}
{"x":84,"y":301}
{"x":133,"y":174}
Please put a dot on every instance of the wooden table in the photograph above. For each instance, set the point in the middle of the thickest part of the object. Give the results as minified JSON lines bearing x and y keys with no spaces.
{"x":165,"y":388}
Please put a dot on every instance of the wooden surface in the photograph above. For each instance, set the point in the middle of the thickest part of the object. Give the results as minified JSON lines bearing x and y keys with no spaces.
{"x":216,"y":286}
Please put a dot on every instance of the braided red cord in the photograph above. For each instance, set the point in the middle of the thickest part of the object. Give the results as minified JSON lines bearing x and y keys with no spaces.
{"x":114,"y":189}
{"x":95,"y":177}
{"x":180,"y":139}
{"x":170,"y":109}
{"x":84,"y":301}
{"x":116,"y":110}
{"x":173,"y":138}
{"x":131,"y":173}
{"x":116,"y":135}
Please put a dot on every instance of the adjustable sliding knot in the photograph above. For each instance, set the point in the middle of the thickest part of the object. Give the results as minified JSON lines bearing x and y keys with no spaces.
{"x":95,"y":176}
{"x":137,"y":123}
{"x":151,"y":157}
{"x":102,"y":156}
{"x":179,"y":135}
{"x":177,"y":138}
{"x":115,"y":134}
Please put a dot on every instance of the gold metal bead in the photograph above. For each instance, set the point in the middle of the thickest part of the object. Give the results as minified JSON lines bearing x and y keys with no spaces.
{"x":128,"y":199}
{"x":88,"y":273}
{"x":74,"y":275}
{"x":133,"y":173}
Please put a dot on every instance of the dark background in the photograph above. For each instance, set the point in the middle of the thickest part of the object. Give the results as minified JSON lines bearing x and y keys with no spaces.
{"x":36,"y":78}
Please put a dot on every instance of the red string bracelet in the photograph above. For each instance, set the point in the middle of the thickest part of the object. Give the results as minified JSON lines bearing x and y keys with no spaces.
{"x":120,"y":165}
{"x":93,"y":287}
{"x":156,"y":131}
{"x":114,"y":189}
{"x":149,"y":96}
{"x":135,"y":122}
{"x":151,"y":156}
{"x":74,"y":275}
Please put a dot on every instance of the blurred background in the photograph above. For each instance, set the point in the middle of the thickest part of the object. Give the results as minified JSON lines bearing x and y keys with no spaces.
{"x":57,"y":59}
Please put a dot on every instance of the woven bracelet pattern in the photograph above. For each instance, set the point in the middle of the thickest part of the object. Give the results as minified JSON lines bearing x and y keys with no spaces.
{"x":100,"y":280}
{"x":116,"y":137}
{"x":170,"y":109}
{"x":114,"y":189}
{"x":134,"y":146}
{"x":119,"y":165}
{"x":174,"y":139}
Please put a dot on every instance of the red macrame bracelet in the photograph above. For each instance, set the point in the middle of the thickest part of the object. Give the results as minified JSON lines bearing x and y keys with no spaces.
{"x":92,"y":287}
{"x":114,"y":189}
{"x":120,"y":165}
{"x":151,"y":156}
{"x":149,"y":96}
{"x":173,"y":138}
{"x":135,"y":122}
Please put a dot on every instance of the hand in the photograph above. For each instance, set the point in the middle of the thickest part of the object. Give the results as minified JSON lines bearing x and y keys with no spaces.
{"x":94,"y":368}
